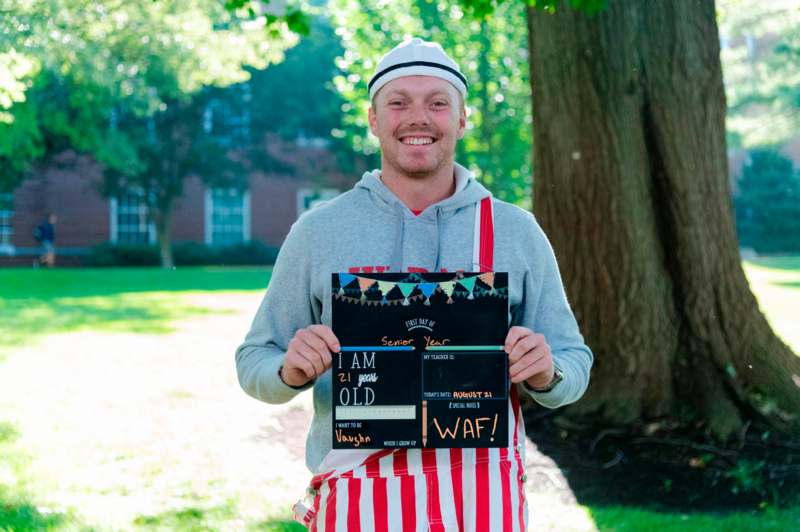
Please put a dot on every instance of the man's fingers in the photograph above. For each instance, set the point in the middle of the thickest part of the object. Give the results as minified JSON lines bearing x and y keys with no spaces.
{"x":315,"y":343}
{"x":322,"y":344}
{"x":326,"y":333}
{"x":297,"y":361}
{"x":514,"y":334}
{"x":524,"y":345}
{"x":526,"y":368}
{"x":313,"y":358}
{"x":525,"y":362}
{"x":303,"y":356}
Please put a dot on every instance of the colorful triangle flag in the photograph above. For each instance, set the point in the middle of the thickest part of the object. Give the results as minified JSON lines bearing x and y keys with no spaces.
{"x":345,"y":279}
{"x":448,"y":287}
{"x":469,"y":284}
{"x":406,"y":289}
{"x":427,"y":289}
{"x":364,"y":284}
{"x":488,"y":278}
{"x":385,"y":287}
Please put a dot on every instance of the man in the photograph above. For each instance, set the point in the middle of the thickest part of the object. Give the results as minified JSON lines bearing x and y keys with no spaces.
{"x":45,"y":234}
{"x":420,"y":212}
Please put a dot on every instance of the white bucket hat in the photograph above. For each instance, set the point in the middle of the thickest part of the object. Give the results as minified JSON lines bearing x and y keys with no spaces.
{"x":417,"y":58}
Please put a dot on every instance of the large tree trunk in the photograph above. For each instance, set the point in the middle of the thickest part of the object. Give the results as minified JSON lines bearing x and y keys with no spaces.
{"x":631,"y":185}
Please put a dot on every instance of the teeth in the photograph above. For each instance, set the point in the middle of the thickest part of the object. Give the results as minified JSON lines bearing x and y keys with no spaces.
{"x":417,"y":141}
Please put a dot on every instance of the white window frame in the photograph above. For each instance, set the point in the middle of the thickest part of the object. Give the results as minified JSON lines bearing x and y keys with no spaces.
{"x":318,"y":195}
{"x":113,"y":230}
{"x":7,"y":248}
{"x":208,"y":216}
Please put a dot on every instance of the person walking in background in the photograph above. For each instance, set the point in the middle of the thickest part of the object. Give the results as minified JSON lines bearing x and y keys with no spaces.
{"x":45,"y":234}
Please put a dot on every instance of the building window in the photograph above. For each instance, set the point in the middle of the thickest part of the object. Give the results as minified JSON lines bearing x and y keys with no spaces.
{"x":307,"y":198}
{"x":6,"y":216}
{"x":129,"y":224}
{"x":750,"y":42}
{"x":228,"y":119}
{"x":227,"y":216}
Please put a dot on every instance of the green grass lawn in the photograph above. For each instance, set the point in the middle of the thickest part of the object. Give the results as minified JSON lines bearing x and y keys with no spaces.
{"x":776,"y":283}
{"x":39,"y":307}
{"x":35,"y":303}
{"x":623,"y":519}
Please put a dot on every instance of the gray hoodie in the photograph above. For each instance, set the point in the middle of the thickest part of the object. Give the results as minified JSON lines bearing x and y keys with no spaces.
{"x":368,"y":229}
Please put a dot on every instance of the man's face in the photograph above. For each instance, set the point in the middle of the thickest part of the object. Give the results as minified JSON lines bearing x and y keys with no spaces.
{"x":418,"y":120}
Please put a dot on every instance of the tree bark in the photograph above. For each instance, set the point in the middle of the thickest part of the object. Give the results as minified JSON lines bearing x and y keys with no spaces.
{"x":164,"y":236}
{"x":631,"y":185}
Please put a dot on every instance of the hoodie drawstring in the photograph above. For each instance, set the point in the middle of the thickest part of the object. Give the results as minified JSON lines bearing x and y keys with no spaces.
{"x":397,"y":254}
{"x":438,"y":239}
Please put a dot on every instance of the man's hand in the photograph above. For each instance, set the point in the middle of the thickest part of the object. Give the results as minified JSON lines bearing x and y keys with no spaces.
{"x":529,"y":357}
{"x":309,"y":354}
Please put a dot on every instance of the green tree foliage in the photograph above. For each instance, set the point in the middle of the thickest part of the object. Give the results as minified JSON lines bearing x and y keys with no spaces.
{"x":121,"y":81}
{"x":492,"y":51}
{"x":66,"y":64}
{"x":297,"y":97}
{"x":296,"y":103}
{"x":761,"y":60}
{"x":768,"y":203}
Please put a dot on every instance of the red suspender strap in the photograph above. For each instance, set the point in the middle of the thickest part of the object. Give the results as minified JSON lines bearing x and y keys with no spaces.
{"x":485,"y":236}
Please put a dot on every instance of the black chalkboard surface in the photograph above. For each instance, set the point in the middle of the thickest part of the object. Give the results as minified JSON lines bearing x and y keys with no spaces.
{"x":422,"y":363}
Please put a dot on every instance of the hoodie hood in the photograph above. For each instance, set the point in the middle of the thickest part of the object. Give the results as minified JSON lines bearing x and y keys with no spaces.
{"x":467,"y":195}
{"x":468,"y":192}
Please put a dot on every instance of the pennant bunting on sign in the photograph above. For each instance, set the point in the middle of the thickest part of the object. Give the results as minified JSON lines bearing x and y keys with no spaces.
{"x":385,"y":287}
{"x":427,"y":289}
{"x":469,"y":284}
{"x":406,"y":289}
{"x":448,"y":287}
{"x":344,"y":280}
{"x":364,"y":285}
{"x":412,"y":283}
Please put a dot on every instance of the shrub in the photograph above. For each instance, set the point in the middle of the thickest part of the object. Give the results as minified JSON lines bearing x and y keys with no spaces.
{"x":252,"y":252}
{"x":109,"y":254}
{"x":768,"y":204}
{"x":184,"y":254}
{"x":193,"y":254}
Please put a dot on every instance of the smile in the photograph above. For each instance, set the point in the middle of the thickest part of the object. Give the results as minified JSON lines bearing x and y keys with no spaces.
{"x":416,"y":141}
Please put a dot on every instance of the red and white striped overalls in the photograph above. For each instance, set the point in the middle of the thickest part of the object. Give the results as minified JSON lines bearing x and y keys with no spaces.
{"x":405,"y":490}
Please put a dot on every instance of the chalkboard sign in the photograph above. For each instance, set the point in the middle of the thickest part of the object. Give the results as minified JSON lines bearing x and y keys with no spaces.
{"x":422,"y":363}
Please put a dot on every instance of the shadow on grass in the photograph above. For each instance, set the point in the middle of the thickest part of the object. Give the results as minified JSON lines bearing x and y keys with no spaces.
{"x":624,"y":519}
{"x":191,"y":518}
{"x":22,"y":516}
{"x":34,"y":303}
{"x":790,"y":262}
{"x":278,"y":525}
{"x":17,"y":513}
{"x":786,"y":284}
{"x":671,"y":480}
{"x":16,"y":283}
{"x":22,"y":321}
{"x":215,"y":518}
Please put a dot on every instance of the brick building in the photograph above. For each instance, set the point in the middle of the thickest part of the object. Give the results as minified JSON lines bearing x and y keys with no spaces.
{"x":69,"y":187}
